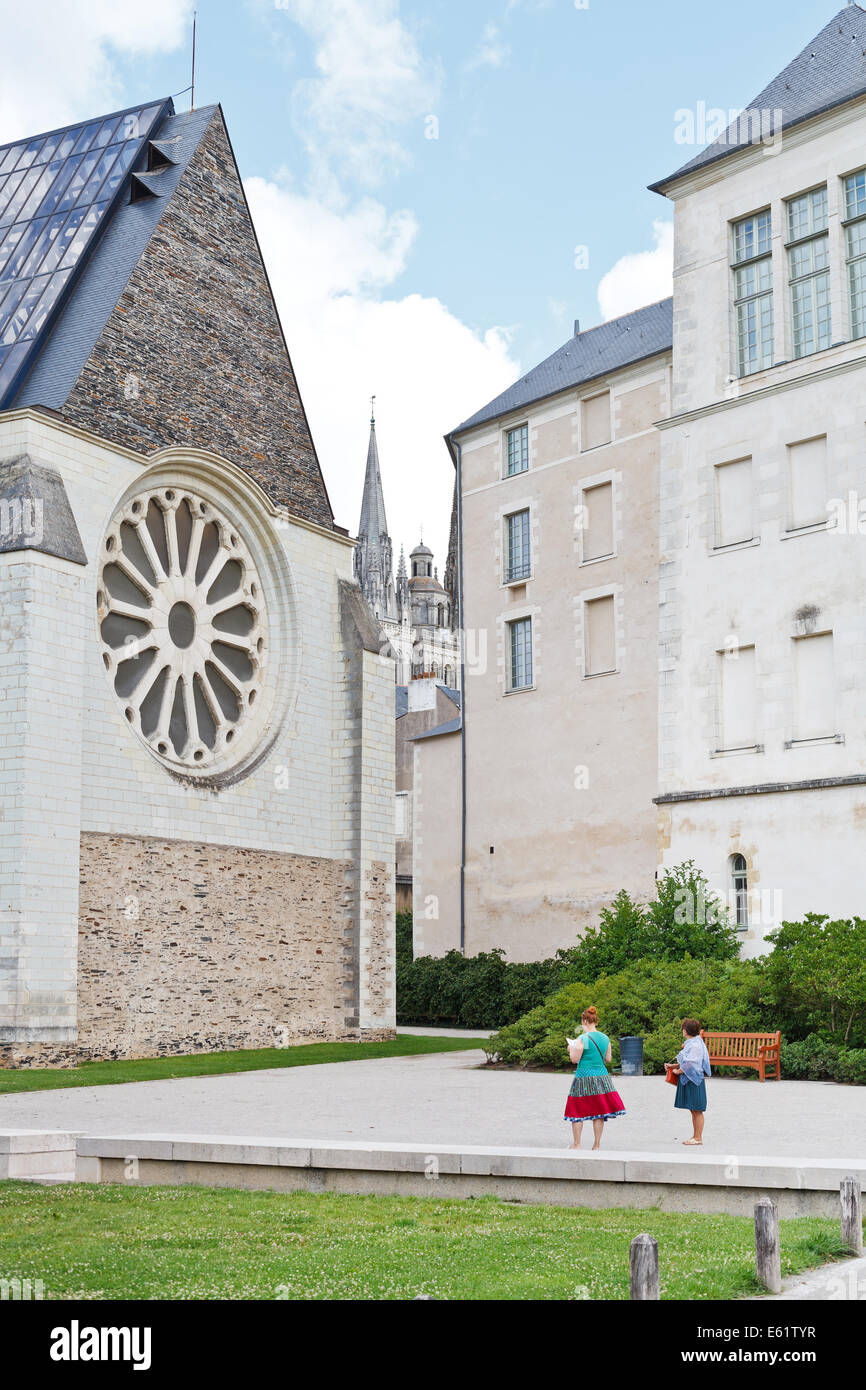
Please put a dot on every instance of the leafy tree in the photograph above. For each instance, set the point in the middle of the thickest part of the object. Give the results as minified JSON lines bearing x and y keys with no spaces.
{"x":817,"y":976}
{"x":688,"y":919}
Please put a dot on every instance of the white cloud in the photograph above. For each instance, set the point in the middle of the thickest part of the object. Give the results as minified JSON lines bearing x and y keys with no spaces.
{"x":57,"y":60}
{"x":372,"y":80}
{"x":641,"y":278}
{"x":428,"y":370}
{"x":491,"y":51}
{"x":333,"y":260}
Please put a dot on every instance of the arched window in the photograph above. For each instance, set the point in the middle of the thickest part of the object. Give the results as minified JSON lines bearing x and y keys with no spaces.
{"x":740,"y":888}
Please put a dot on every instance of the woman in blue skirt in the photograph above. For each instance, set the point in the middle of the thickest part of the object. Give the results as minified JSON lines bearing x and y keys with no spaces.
{"x":693,"y":1065}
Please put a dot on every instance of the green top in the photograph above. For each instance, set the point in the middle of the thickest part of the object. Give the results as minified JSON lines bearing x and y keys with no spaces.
{"x":595,"y":1045}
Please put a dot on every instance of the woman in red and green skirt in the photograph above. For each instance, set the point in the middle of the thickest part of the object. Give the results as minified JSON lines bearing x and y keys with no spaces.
{"x":593,"y":1095}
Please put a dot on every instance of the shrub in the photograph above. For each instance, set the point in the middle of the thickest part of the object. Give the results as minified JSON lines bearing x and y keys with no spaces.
{"x":685,"y":919}
{"x":649,"y":998}
{"x":817,"y":978}
{"x":485,"y":991}
{"x":404,"y":937}
{"x":482,"y":991}
{"x":814,"y":1059}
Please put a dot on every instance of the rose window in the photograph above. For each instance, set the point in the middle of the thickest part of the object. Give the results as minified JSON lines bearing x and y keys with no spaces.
{"x":182,"y":627}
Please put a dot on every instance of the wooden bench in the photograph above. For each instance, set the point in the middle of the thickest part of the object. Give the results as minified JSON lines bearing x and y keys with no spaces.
{"x":758,"y":1050}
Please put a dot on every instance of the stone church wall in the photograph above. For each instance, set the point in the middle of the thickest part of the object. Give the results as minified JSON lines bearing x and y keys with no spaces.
{"x":299,"y":843}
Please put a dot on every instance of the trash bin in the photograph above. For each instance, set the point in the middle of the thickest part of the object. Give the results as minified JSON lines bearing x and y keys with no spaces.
{"x":631,"y":1056}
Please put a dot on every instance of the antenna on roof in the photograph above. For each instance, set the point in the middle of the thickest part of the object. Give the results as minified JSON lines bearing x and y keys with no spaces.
{"x":192,"y":88}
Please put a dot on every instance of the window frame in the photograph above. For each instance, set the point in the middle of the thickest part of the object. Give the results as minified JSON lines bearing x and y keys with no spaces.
{"x":523,"y":430}
{"x":756,"y":298}
{"x":511,"y":687}
{"x":852,"y":261}
{"x":521,"y":574}
{"x":809,"y":279}
{"x":739,"y":878}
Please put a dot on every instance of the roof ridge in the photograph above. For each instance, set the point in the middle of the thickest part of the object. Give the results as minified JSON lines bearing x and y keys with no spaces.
{"x":799,"y":100}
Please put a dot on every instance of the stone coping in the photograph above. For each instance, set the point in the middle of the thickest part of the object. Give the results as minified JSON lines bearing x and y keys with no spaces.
{"x":610,"y":1166}
{"x":29,"y":1141}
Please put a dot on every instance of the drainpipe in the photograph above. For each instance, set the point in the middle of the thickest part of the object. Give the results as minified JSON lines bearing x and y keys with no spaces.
{"x":457,"y":455}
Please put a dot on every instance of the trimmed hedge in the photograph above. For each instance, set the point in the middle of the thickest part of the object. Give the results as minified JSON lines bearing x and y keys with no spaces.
{"x":481,"y":991}
{"x":817,"y":1060}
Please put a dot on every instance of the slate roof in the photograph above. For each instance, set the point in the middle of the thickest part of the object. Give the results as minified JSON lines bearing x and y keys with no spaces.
{"x":828,"y":72}
{"x":451,"y":727}
{"x":67,"y":341}
{"x":59,"y":191}
{"x":594,"y":353}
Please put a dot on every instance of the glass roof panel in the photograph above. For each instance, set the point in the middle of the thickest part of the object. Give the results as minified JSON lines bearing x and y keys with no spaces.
{"x":55,"y":191}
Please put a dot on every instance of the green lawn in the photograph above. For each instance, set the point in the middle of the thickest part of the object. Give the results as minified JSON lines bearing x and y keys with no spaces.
{"x":220,"y":1063}
{"x":115,"y":1242}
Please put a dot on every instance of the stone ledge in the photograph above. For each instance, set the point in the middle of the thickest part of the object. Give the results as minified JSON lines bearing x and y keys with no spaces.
{"x":695,"y":1182}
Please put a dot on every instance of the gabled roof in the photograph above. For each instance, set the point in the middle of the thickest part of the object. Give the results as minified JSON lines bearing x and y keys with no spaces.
{"x":612,"y":345}
{"x":129,"y":226}
{"x":828,"y":72}
{"x":58,"y":193}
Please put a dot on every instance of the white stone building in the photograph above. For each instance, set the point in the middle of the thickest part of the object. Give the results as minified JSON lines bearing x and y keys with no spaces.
{"x":197,"y":765}
{"x":699,"y":692}
{"x":762,"y":729}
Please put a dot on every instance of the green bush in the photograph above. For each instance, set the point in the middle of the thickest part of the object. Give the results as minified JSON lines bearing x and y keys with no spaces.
{"x":814,"y":1059}
{"x":649,"y":998}
{"x":485,"y":991}
{"x":817,"y":978}
{"x":482,"y":991}
{"x":684,"y":919}
{"x":404,"y":937}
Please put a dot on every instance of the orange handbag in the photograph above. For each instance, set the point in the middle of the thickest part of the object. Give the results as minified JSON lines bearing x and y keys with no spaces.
{"x":671,"y":1079}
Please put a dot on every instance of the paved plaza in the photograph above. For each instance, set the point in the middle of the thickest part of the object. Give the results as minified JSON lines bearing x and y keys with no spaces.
{"x":452,"y":1098}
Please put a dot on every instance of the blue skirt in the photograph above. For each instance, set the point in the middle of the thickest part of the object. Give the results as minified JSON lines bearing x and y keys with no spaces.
{"x":689,"y":1096}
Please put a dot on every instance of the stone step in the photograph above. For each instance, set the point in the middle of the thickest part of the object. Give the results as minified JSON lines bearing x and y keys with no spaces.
{"x":27,"y":1152}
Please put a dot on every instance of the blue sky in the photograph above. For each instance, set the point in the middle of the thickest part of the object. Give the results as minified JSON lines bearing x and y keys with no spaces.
{"x":429,"y":270}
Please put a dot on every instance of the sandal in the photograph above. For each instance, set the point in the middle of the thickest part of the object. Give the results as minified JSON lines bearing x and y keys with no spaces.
{"x":693,"y":1143}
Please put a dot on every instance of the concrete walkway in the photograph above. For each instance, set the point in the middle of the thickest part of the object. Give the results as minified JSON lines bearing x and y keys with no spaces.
{"x":842,"y":1282}
{"x":450,"y":1098}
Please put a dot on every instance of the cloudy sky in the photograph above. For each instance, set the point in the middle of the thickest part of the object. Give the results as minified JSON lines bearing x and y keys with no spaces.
{"x":440,"y":186}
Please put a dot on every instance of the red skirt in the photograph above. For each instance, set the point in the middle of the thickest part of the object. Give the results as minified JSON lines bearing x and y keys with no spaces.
{"x":602,"y":1107}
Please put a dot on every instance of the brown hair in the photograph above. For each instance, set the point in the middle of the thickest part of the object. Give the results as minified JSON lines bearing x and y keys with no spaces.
{"x":590,"y":1015}
{"x":691,"y":1026}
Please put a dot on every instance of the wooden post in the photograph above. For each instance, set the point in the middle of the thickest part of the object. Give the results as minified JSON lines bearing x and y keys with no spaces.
{"x":769,"y":1260}
{"x":852,"y":1219}
{"x":643,"y":1260}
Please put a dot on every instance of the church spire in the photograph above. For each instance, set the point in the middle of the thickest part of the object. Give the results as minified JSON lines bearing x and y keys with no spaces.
{"x":374,"y":568}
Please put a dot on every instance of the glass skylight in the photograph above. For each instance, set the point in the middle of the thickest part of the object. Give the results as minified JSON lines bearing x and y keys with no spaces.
{"x":55,"y":191}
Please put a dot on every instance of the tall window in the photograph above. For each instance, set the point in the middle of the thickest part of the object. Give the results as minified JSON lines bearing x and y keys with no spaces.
{"x":809,"y":272}
{"x":855,"y":250}
{"x":517,"y":552}
{"x":517,"y":450}
{"x":740,"y":888}
{"x":753,"y":292}
{"x":520,"y":645}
